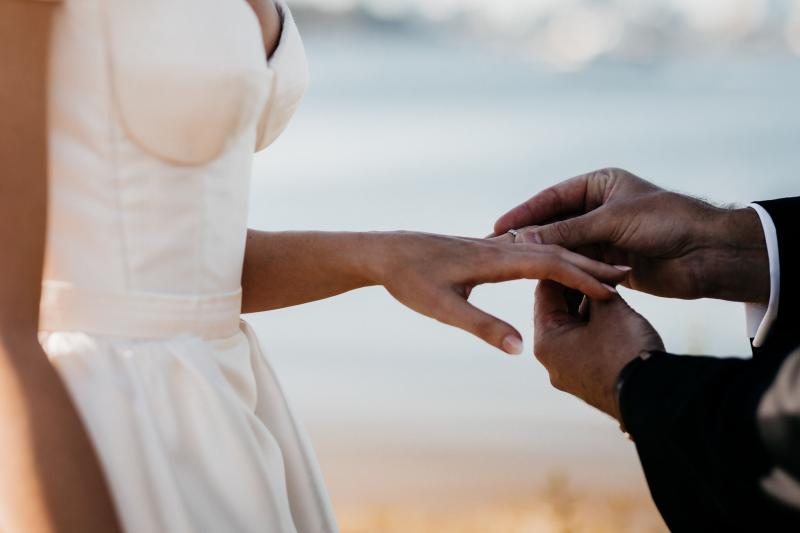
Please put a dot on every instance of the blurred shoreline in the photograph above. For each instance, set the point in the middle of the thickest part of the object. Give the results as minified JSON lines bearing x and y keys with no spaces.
{"x":567,"y":36}
{"x":435,"y":124}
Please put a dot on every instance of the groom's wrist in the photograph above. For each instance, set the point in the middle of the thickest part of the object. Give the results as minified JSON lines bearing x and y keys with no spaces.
{"x":735,"y":264}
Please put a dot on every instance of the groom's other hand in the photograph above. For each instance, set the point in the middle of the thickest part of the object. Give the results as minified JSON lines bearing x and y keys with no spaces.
{"x":678,"y":246}
{"x":585,"y":351}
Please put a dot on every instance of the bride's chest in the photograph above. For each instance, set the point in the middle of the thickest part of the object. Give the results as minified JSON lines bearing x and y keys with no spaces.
{"x":187,"y":77}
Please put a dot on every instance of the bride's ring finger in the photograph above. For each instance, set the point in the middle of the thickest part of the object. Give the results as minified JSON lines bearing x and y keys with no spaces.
{"x":506,"y":237}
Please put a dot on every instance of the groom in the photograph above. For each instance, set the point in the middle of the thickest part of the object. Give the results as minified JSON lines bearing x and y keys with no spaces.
{"x":719,"y":439}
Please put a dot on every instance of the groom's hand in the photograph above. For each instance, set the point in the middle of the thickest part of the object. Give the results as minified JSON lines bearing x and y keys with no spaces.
{"x":678,"y":246}
{"x":585,"y":351}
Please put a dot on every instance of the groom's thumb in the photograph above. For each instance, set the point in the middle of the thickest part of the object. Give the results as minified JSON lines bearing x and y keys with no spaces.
{"x":591,"y":228}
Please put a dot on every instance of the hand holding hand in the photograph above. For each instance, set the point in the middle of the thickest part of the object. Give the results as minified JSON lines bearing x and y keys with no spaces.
{"x":585,"y":350}
{"x":678,"y":246}
{"x":433,"y":275}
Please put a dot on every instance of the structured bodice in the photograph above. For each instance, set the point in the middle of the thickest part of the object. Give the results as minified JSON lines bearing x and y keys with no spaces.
{"x":156,"y":108}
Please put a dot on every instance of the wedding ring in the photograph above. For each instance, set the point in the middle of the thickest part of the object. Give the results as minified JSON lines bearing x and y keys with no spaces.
{"x":513,"y":233}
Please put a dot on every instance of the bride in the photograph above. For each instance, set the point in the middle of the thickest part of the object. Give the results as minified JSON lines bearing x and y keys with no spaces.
{"x":133,"y":397}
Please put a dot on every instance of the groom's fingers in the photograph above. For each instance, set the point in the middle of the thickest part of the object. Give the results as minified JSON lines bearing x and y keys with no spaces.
{"x":551,"y":309}
{"x":455,"y":311}
{"x":537,"y":265}
{"x":595,"y":227}
{"x":552,"y":321}
{"x":567,"y":197}
{"x":598,"y":269}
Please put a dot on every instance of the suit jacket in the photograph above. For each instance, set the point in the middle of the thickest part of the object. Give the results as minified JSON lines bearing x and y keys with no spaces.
{"x":719,"y":439}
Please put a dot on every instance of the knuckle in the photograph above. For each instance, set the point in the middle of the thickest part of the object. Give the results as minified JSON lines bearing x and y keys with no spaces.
{"x":547,"y":267}
{"x":555,"y":379}
{"x":551,"y":196}
{"x":499,"y":252}
{"x":541,"y":348}
{"x":504,"y":238}
{"x":496,"y":256}
{"x":555,"y":323}
{"x":444,"y":311}
{"x":552,"y":249}
{"x":563,"y":230}
{"x":524,"y":234}
{"x":532,"y":237}
{"x":611,"y":172}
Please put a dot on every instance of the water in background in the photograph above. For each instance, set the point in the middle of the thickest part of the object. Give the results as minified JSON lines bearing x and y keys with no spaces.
{"x":418,"y":130}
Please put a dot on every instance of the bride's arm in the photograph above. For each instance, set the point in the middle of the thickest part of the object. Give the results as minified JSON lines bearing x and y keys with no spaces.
{"x":431,"y":274}
{"x":50,"y":479}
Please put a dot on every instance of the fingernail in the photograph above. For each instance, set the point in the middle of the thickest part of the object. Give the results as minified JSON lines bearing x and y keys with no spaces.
{"x":512,"y":345}
{"x":610,"y":288}
{"x":624,"y":268}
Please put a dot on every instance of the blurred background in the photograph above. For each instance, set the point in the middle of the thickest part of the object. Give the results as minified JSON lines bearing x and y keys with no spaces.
{"x":439,"y":115}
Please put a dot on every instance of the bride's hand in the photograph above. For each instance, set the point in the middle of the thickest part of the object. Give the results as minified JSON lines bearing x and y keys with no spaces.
{"x":433,"y":275}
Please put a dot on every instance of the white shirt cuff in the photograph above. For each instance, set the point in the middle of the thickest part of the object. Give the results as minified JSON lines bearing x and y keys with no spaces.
{"x":761,"y":317}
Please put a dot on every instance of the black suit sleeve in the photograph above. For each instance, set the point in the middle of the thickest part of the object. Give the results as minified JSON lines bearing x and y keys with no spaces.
{"x":694,"y":423}
{"x":718,"y":438}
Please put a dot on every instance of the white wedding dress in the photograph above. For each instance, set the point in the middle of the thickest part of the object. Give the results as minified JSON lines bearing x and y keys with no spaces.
{"x":156,"y":108}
